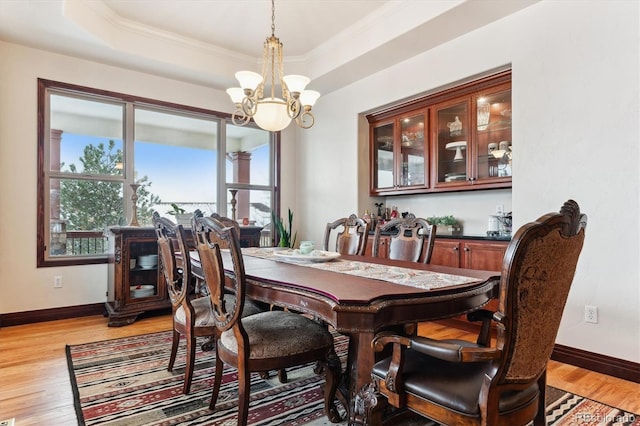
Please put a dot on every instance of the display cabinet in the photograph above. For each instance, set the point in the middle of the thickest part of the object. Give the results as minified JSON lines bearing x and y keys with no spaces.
{"x":399,"y":153}
{"x":135,"y":284}
{"x":471,"y":138}
{"x":455,"y":140}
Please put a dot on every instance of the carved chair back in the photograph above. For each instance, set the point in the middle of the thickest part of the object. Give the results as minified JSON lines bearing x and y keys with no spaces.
{"x":351,"y":236}
{"x":412,"y":239}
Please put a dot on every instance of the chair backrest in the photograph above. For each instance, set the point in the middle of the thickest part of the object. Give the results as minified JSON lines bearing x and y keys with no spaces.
{"x":351,"y":239}
{"x":212,"y":237}
{"x":412,"y":239}
{"x":537,"y":272}
{"x":172,"y":239}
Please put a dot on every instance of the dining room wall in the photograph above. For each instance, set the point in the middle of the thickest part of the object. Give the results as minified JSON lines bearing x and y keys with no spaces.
{"x":575,"y":135}
{"x":24,"y":287}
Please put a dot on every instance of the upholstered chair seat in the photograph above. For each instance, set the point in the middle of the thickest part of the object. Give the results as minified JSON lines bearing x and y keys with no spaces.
{"x":204,"y":313}
{"x":456,"y":385}
{"x":277,"y":334}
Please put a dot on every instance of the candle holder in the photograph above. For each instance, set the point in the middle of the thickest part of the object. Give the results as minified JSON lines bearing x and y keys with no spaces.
{"x":134,"y":205}
{"x":233,"y":203}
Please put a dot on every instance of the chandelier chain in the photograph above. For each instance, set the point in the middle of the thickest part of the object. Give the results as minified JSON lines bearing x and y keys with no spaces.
{"x":273,"y":18}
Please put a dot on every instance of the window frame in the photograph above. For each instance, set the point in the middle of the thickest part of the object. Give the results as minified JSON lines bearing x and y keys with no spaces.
{"x":46,"y":87}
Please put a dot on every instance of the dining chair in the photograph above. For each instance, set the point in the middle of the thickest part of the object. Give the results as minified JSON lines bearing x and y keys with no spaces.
{"x":411,"y":239}
{"x":270,"y":340}
{"x":351,"y":235}
{"x":192,"y":315}
{"x":477,"y":383}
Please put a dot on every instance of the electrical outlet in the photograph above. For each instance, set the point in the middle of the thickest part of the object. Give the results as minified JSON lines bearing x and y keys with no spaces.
{"x":57,"y":281}
{"x":499,"y":209}
{"x":591,"y":314}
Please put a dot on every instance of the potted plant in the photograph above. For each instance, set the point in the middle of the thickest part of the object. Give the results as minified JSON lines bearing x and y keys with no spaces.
{"x":182,"y":217}
{"x":283,"y":232}
{"x":445,"y":225}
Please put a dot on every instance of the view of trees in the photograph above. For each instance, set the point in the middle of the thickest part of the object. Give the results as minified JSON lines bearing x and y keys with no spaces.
{"x":95,"y":204}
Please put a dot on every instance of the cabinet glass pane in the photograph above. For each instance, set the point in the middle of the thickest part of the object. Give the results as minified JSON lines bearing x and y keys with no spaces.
{"x":383,"y":152}
{"x":143,"y":269}
{"x":452,"y":138}
{"x":493,"y":137}
{"x":412,"y":151}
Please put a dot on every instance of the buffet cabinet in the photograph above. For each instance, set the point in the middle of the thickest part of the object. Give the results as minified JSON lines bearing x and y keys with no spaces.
{"x":133,"y":288}
{"x":485,"y":255}
{"x":478,"y":253}
{"x":455,"y":140}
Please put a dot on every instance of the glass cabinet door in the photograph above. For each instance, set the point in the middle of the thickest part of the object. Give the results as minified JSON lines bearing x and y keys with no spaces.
{"x":383,"y":161}
{"x":412,"y":151}
{"x":493,"y":136}
{"x":451,"y":142}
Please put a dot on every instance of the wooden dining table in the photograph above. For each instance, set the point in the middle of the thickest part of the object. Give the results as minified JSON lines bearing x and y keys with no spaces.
{"x":357,"y":296}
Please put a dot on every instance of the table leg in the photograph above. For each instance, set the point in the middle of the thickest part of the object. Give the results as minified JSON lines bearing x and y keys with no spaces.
{"x":360,"y":360}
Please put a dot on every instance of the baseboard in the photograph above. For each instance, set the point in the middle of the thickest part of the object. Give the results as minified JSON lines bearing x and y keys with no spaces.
{"x":604,"y":364}
{"x":29,"y":317}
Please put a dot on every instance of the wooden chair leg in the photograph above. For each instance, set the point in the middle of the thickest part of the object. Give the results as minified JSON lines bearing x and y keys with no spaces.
{"x":174,"y":350}
{"x":189,"y":365}
{"x":244,"y":391}
{"x":217,"y":380}
{"x":541,"y":416}
{"x":332,"y":370}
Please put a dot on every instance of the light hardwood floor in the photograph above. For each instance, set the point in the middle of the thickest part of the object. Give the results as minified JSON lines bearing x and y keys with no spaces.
{"x":35,"y":387}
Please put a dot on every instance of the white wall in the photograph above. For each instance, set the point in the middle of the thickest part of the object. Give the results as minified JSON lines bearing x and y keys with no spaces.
{"x":575,"y":135}
{"x":23,"y":286}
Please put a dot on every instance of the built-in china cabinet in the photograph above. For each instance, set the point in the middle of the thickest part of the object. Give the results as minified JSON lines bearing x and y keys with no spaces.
{"x":455,"y":140}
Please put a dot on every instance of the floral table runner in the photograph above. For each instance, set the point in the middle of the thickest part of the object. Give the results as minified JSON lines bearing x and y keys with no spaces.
{"x":427,"y":280}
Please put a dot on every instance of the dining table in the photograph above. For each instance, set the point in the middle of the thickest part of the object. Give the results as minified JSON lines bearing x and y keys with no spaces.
{"x":360,"y":296}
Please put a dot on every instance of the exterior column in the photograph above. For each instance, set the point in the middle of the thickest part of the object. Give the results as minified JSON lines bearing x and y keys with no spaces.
{"x":242,"y":174}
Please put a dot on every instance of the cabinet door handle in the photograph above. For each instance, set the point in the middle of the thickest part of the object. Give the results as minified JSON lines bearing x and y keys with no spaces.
{"x":455,"y":249}
{"x":467,"y":249}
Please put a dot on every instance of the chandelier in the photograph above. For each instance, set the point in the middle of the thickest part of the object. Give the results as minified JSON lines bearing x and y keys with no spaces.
{"x":272,"y":113}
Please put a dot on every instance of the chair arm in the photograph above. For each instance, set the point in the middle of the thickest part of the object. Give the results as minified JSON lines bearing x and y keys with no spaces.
{"x":452,"y":351}
{"x":385,"y":337}
{"x":446,"y":350}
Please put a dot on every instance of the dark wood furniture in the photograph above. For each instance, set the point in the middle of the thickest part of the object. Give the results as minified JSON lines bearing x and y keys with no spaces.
{"x":360,"y":307}
{"x":271,"y":340}
{"x":409,"y":239}
{"x":127,"y":243}
{"x":480,"y":254}
{"x":464,"y":383}
{"x":124,"y":303}
{"x":455,"y":140}
{"x":351,"y":234}
{"x":192,"y":316}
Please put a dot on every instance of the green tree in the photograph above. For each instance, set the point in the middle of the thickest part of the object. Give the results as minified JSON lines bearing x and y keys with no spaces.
{"x":93,"y":204}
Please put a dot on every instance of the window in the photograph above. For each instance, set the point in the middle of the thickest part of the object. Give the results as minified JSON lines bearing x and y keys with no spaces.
{"x":96,"y":148}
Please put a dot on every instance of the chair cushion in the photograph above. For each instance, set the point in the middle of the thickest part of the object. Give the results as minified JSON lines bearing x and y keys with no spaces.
{"x":279,"y":333}
{"x":454,"y":385}
{"x":204,"y":312}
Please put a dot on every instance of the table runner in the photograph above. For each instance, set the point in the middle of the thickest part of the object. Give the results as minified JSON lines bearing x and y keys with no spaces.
{"x":427,"y":280}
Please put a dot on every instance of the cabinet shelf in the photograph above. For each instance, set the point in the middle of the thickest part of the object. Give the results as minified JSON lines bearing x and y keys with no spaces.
{"x":495,"y":126}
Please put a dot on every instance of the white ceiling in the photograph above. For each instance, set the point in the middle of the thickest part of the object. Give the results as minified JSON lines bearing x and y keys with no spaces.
{"x":334,"y":42}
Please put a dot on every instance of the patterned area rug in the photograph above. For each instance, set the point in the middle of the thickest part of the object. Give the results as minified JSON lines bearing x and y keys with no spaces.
{"x":125,"y":382}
